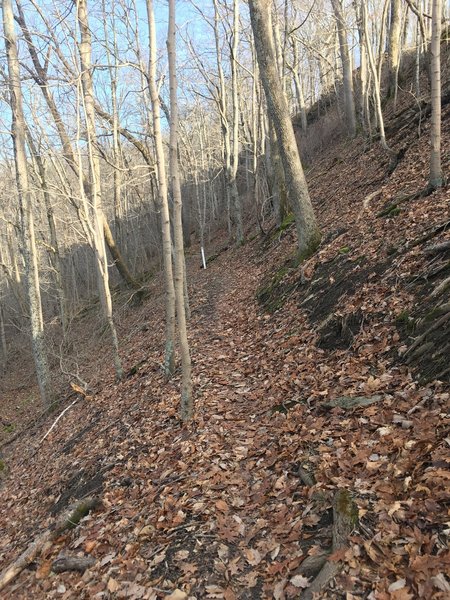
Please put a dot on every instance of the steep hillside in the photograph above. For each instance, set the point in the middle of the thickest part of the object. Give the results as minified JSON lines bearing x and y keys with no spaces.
{"x":239,"y":504}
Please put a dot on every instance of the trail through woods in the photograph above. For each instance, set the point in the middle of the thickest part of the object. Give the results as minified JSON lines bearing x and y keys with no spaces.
{"x":238,"y":504}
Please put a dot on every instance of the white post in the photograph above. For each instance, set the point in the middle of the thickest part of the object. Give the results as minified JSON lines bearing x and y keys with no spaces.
{"x":203,"y":258}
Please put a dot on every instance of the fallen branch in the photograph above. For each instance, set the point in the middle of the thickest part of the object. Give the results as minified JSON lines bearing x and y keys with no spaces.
{"x":345,"y":517}
{"x":56,"y":421}
{"x":68,"y":521}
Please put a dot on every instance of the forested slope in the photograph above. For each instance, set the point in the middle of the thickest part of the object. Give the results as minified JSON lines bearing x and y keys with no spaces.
{"x":244,"y":501}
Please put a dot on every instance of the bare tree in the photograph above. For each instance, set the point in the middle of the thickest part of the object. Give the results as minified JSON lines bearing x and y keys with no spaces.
{"x":169,"y":361}
{"x":349,"y":99}
{"x":25,"y":208}
{"x":187,"y":406}
{"x":101,"y":261}
{"x":308,"y":234}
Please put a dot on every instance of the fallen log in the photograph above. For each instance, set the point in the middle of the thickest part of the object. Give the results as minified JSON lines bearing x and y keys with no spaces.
{"x":68,"y":521}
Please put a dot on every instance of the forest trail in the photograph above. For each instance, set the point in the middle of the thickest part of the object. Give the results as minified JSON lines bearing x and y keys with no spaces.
{"x":219,"y":509}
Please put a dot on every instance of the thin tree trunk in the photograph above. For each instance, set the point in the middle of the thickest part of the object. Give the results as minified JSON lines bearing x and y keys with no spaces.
{"x":235,"y":199}
{"x":349,"y":98}
{"x":25,"y":208}
{"x":376,"y":82}
{"x":308,"y":233}
{"x":98,"y":220}
{"x":54,"y":254}
{"x":436,"y":179}
{"x":187,"y":404}
{"x":169,"y":360}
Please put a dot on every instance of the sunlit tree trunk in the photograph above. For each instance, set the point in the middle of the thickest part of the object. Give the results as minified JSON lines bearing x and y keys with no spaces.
{"x":376,"y":81}
{"x":25,"y":209}
{"x":54,"y":252}
{"x":101,"y":260}
{"x":41,"y":78}
{"x":308,"y":233}
{"x":187,"y":405}
{"x":169,"y":360}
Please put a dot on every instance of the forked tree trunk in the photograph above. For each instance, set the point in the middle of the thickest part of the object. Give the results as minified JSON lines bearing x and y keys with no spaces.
{"x":98,"y":220}
{"x":376,"y":81}
{"x":25,"y":209}
{"x":187,"y":406}
{"x":308,"y":233}
{"x":436,"y":179}
{"x":169,"y":360}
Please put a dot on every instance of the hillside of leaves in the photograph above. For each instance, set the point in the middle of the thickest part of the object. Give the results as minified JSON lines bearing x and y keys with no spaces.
{"x":237,"y":505}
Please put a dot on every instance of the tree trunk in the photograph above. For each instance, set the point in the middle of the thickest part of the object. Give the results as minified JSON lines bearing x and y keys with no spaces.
{"x":54,"y":253}
{"x":394,"y":46}
{"x":98,"y":220}
{"x":376,"y":81}
{"x":187,"y":405}
{"x":349,"y":99}
{"x":436,"y":179}
{"x":25,"y":208}
{"x":235,"y":199}
{"x":169,"y":360}
{"x":279,"y":193}
{"x":308,"y":233}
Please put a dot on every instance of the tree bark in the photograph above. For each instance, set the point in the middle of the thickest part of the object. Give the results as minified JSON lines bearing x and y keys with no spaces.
{"x":308,"y":233}
{"x":235,"y":199}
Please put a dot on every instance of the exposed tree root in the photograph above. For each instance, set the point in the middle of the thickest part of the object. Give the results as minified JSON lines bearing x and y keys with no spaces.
{"x":427,"y":235}
{"x":345,"y":517}
{"x":419,"y":341}
{"x":68,"y":521}
{"x":437,"y":248}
